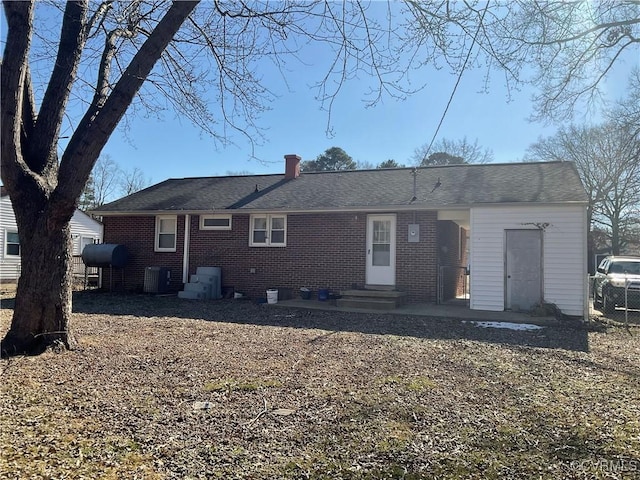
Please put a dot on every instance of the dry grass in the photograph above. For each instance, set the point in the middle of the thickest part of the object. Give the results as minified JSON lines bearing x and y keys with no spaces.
{"x":164,"y":388}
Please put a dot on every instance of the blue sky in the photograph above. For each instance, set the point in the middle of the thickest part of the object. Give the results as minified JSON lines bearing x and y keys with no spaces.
{"x":174,"y":148}
{"x":392,"y":129}
{"x":295,"y":124}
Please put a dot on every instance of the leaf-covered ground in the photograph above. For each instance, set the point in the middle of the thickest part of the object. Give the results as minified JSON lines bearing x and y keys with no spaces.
{"x":166,"y":388}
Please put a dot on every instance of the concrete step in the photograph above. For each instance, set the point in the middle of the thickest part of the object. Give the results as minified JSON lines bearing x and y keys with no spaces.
{"x":380,"y":287}
{"x":214,"y":271}
{"x":390,"y":294}
{"x":202,"y":278}
{"x":191,"y":295}
{"x":368,"y":303}
{"x":198,"y":287}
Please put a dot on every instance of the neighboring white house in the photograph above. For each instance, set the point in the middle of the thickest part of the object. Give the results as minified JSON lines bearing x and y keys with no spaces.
{"x":84,"y":230}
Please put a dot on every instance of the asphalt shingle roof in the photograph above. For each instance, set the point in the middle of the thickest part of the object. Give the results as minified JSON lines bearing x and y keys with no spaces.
{"x":459,"y":186}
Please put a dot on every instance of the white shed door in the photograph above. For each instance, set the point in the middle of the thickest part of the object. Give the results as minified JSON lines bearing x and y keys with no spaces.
{"x":381,"y":250}
{"x":523,"y":283}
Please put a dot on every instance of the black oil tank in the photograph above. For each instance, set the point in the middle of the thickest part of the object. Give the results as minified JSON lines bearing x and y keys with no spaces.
{"x":105,"y":255}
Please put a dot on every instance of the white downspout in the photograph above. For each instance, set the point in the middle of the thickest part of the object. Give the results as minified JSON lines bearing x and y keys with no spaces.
{"x":471,"y":247}
{"x":585,"y":270}
{"x":185,"y":255}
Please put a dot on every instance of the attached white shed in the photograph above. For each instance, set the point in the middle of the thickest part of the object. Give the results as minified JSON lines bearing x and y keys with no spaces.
{"x":523,"y":253}
{"x":84,"y":230}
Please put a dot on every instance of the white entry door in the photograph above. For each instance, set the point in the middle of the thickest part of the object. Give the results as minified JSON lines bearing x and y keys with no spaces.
{"x":381,"y":250}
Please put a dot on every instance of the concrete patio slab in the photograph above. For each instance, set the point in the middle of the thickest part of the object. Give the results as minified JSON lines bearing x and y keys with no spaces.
{"x":429,"y":310}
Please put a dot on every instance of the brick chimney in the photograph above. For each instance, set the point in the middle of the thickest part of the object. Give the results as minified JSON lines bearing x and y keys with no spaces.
{"x":292,"y":166}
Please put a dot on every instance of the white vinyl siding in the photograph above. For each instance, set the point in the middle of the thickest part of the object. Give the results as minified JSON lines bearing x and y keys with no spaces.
{"x":84,"y":230}
{"x":268,"y":231}
{"x":215,"y":222}
{"x":166,"y":233}
{"x":9,"y":264}
{"x":564,"y":254}
{"x":82,"y":226}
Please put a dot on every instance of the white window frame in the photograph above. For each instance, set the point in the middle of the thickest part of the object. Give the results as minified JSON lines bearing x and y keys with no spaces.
{"x":157,"y":247}
{"x":7,"y":243}
{"x":215,"y":217}
{"x":267,"y":242}
{"x":83,"y":240}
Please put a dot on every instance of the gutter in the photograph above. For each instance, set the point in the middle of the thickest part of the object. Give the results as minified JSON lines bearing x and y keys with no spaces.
{"x":358,"y":209}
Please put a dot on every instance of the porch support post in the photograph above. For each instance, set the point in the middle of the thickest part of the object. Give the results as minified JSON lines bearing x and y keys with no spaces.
{"x":185,"y":255}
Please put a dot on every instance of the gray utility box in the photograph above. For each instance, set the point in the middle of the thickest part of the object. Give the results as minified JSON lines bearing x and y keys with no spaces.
{"x":205,"y":284}
{"x":212,"y":275}
{"x":157,"y":279}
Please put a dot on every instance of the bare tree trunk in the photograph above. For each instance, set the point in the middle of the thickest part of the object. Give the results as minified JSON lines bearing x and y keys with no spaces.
{"x":42,"y":311}
{"x":44,"y":192}
{"x":615,"y":236}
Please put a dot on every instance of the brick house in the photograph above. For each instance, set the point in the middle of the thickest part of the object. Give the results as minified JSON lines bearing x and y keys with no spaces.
{"x":520,"y":227}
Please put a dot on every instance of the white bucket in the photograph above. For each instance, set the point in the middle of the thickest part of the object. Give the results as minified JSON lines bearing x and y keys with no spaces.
{"x":272,"y":296}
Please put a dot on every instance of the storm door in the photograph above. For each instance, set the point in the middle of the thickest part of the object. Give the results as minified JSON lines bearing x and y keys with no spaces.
{"x":381,"y":250}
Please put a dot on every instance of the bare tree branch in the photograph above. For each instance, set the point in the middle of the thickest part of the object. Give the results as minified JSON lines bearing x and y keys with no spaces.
{"x":19,"y":17}
{"x":608,"y":160}
{"x":564,"y":49}
{"x":42,"y":147}
{"x":98,"y":123}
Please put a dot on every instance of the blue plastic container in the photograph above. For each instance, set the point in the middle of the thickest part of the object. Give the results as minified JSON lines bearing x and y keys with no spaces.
{"x":323,"y":294}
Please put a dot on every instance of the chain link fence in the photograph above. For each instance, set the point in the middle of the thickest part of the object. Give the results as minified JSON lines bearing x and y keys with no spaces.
{"x":621,"y":304}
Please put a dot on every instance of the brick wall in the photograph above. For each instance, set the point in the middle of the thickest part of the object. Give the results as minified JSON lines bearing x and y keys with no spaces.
{"x":416,"y":271}
{"x":312,"y":258}
{"x":323,"y":251}
{"x":138,"y":235}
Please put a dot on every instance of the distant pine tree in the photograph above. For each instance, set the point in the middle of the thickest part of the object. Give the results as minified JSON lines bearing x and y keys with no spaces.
{"x":442,"y":158}
{"x":333,"y":158}
{"x":391,"y":163}
{"x":88,"y":196}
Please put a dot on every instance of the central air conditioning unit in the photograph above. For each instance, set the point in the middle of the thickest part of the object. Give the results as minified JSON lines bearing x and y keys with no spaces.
{"x":157,"y":279}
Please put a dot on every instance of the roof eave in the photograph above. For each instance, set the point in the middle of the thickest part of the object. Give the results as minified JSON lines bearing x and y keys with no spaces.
{"x":355,"y":208}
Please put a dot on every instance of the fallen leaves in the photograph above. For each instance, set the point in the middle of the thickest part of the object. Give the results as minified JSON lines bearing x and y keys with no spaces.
{"x":164,"y":388}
